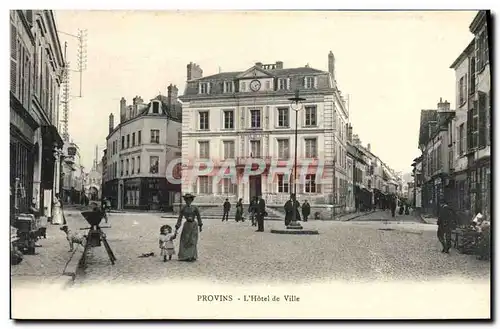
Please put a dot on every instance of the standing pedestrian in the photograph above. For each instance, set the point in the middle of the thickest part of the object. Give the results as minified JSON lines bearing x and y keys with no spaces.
{"x":227,"y":207}
{"x":306,"y":210}
{"x":188,"y":243}
{"x":393,"y":206}
{"x":291,"y":206}
{"x":252,"y":211}
{"x":166,"y":241}
{"x":239,"y":211}
{"x":446,"y":221}
{"x":261,"y":213}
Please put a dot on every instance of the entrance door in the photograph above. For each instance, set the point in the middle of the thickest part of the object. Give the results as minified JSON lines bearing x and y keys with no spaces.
{"x":255,"y":186}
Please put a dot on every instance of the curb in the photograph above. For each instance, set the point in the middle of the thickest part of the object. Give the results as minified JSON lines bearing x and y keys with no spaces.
{"x":73,"y":265}
{"x":423,"y":221}
{"x":351,"y":218}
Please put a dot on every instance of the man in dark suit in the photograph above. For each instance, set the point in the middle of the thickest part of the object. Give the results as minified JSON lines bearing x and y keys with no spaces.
{"x":227,"y":207}
{"x":446,"y":223}
{"x":261,"y":212}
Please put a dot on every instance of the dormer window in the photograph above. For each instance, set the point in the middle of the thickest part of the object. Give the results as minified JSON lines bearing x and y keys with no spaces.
{"x":309,"y":82}
{"x":228,"y":86}
{"x":283,"y":84}
{"x":156,"y":107}
{"x":204,"y":88}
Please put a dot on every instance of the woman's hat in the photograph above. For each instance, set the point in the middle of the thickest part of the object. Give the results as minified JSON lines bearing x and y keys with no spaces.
{"x":188,"y":196}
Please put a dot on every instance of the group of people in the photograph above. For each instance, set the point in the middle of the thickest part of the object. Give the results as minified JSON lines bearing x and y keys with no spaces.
{"x":292,"y":207}
{"x":256,"y":211}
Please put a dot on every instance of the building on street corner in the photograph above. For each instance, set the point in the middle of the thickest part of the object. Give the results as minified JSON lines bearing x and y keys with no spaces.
{"x":139,"y":150}
{"x":36,"y":66}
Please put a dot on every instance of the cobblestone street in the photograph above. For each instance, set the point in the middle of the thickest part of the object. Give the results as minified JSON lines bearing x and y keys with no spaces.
{"x":229,"y":251}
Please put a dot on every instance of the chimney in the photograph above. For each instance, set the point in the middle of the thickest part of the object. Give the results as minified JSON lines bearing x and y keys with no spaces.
{"x":369,"y":147}
{"x":194,"y":72}
{"x":111,"y":123}
{"x":279,"y":65}
{"x":331,"y":65}
{"x":258,"y":64}
{"x":443,"y":106}
{"x":123,"y":109}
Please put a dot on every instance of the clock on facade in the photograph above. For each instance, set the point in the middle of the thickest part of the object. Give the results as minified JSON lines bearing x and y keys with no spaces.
{"x":255,"y":85}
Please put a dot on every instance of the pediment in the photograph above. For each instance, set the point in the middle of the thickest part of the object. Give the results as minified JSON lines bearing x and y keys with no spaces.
{"x":254,"y":72}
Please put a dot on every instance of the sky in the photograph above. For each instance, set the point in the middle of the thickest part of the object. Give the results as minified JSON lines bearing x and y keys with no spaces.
{"x":391,"y":64}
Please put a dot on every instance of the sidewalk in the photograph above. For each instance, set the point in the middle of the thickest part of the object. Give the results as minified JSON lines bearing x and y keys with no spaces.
{"x":428,"y":219}
{"x":351,"y":216}
{"x":49,"y":264}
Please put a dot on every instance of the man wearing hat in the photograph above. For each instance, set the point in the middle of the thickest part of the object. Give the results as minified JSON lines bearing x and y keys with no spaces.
{"x":291,"y":206}
{"x":261,"y":213}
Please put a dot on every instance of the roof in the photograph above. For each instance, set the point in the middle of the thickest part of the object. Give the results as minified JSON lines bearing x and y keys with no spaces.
{"x":468,"y":50}
{"x":426,"y":116}
{"x":481,"y":18}
{"x":275,"y":73}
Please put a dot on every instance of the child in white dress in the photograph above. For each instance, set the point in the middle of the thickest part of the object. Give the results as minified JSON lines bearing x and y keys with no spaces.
{"x":167,"y":242}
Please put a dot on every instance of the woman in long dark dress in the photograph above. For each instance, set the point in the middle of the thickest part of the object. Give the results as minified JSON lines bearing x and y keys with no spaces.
{"x":239,"y":211}
{"x":189,"y":236}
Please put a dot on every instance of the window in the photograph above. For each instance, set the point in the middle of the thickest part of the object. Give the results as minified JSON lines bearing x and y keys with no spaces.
{"x":309,"y":82}
{"x":128,"y":141}
{"x":255,"y":119}
{"x":482,"y":50}
{"x":311,"y":149}
{"x":133,"y":139}
{"x":283,"y":183}
{"x":156,"y":107}
{"x":461,"y":141}
{"x":282,"y":84}
{"x":450,"y":158}
{"x":243,"y":86}
{"x":204,"y":148}
{"x":472,"y":75}
{"x":139,"y":138}
{"x":283,"y":117}
{"x":310,"y":115}
{"x":283,"y":149}
{"x":155,"y":136}
{"x":205,"y":184}
{"x":179,"y":138}
{"x":203,"y":88}
{"x":121,"y":168}
{"x":255,"y":149}
{"x":311,"y":184}
{"x":126,"y":168}
{"x":228,"y":119}
{"x":228,"y":187}
{"x":138,"y":164}
{"x":228,"y":149}
{"x":228,"y":86}
{"x":123,"y":142}
{"x":154,"y":164}
{"x":462,"y":91}
{"x":204,"y":120}
{"x":482,"y":119}
{"x":132,"y":164}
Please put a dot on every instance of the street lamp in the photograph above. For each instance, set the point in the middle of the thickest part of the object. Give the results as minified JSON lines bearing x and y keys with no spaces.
{"x":296,"y":105}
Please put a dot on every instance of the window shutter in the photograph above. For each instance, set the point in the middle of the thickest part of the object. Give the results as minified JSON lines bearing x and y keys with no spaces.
{"x":482,"y":119}
{"x":288,"y":84}
{"x":210,"y":187}
{"x":469,"y":129}
{"x":195,"y":187}
{"x":304,"y":82}
{"x":315,"y":82}
{"x":318,"y":186}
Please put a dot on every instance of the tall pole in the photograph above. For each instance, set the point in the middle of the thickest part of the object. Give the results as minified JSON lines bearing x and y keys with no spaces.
{"x":296,"y":107}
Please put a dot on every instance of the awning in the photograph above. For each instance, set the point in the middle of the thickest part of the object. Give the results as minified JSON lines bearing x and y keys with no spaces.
{"x":51,"y":136}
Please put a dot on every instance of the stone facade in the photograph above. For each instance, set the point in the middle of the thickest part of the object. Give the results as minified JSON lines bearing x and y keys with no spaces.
{"x":237,"y":116}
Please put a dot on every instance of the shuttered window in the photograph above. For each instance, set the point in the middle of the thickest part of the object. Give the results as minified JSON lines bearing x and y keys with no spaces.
{"x":13,"y":58}
{"x":482,"y":119}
